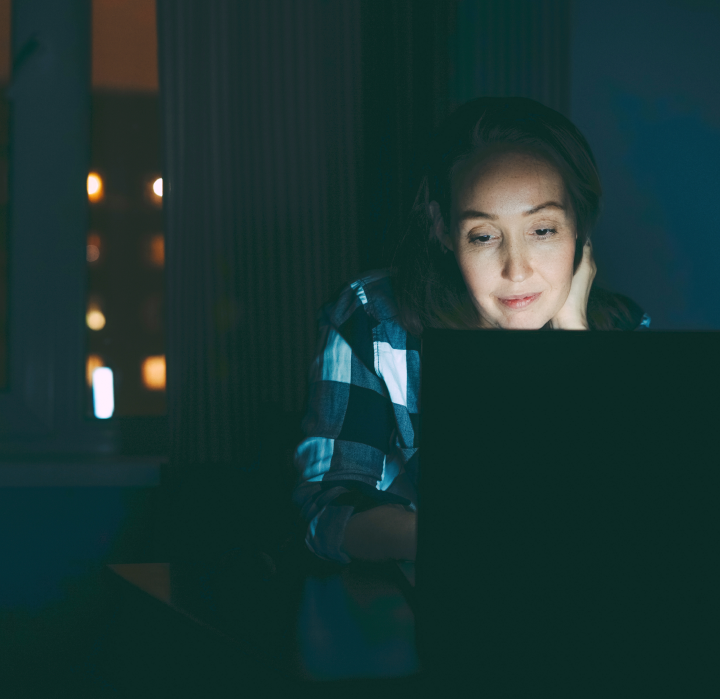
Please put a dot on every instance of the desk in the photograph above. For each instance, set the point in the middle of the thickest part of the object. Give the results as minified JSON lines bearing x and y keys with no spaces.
{"x":156,"y":580}
{"x":407,"y":568}
{"x":148,"y":646}
{"x":353,"y":626}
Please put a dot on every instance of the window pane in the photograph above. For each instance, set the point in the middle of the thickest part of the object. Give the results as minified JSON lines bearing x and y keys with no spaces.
{"x":5,"y":61}
{"x":125,"y":244}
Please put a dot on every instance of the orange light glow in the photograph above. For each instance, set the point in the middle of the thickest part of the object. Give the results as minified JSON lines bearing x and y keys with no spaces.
{"x":124,"y":45}
{"x":93,"y":247}
{"x":153,"y":373}
{"x":94,"y":317}
{"x":94,"y":361}
{"x":94,"y":242}
{"x":94,"y":187}
{"x":154,"y":190}
{"x":156,"y":251}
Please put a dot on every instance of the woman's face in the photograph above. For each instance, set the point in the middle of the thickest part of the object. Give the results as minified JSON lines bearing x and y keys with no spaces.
{"x":502,"y":249}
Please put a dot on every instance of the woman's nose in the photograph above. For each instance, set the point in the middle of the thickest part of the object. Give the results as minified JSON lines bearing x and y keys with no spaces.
{"x":516,"y":265}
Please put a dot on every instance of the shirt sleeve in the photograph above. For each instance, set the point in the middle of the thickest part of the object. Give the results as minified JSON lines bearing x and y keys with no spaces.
{"x":644,"y":322}
{"x":348,"y":429}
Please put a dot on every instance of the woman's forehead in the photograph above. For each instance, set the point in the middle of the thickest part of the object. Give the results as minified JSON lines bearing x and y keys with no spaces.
{"x":515,"y":173}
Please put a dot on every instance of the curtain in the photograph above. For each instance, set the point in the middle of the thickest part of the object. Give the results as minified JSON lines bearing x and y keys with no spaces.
{"x":290,"y":129}
{"x":261,"y":108}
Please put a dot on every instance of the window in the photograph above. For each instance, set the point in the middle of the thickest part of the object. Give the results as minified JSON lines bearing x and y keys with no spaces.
{"x":61,"y":271}
{"x":125,"y":242}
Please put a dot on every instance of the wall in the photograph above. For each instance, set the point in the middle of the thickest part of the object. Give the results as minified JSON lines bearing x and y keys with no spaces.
{"x":54,"y":542}
{"x":644,"y":93}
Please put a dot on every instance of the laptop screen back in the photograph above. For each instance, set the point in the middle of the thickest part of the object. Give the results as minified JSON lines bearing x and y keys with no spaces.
{"x":568,"y":525}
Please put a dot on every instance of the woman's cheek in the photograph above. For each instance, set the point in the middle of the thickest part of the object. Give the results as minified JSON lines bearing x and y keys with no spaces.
{"x":475,"y":274}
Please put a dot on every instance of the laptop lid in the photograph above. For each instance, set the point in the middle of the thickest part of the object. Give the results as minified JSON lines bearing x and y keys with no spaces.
{"x":568,"y":519}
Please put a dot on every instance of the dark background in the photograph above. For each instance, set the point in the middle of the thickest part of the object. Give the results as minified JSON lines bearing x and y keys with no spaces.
{"x":642,"y":93}
{"x":288,"y":134}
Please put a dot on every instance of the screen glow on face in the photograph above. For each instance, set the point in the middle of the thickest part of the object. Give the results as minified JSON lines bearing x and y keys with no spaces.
{"x":513,"y":233}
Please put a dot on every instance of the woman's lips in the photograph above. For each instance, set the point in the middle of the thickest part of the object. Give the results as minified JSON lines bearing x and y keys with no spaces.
{"x":520,"y":303}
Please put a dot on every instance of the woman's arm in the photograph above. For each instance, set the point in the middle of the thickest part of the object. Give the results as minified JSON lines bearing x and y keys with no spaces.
{"x":386,"y":532}
{"x":349,"y":429}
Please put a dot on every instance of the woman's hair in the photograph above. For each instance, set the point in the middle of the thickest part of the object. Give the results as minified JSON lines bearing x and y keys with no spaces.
{"x":429,"y":287}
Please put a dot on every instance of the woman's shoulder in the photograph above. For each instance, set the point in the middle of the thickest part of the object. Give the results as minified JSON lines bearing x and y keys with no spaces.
{"x":608,"y":310}
{"x":371,"y":292}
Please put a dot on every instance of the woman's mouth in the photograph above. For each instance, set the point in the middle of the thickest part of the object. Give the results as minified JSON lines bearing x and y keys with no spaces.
{"x":520,"y":303}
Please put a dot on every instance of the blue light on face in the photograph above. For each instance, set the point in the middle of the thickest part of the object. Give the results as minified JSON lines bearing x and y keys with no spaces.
{"x":103,"y":394}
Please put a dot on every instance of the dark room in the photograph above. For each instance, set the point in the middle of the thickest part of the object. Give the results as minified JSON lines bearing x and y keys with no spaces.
{"x":242,"y":242}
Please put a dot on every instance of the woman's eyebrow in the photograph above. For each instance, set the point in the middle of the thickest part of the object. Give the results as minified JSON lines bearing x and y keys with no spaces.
{"x":471,"y":213}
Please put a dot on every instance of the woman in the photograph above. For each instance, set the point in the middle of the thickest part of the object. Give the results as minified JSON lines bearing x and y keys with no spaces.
{"x":499,"y":238}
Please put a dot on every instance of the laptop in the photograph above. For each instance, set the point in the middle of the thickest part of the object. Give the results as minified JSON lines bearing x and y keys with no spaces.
{"x":569,"y":513}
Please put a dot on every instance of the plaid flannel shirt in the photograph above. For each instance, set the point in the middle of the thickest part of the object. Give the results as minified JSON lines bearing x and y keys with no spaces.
{"x":362,"y":422}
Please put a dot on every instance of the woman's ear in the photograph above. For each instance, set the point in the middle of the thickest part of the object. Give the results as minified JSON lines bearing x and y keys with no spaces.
{"x":438,"y":228}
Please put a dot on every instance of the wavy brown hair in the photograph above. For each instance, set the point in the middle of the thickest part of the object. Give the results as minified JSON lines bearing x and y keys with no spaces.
{"x":428,"y":285}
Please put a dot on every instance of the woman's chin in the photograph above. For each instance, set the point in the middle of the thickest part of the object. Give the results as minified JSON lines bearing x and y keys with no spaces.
{"x":523,"y":322}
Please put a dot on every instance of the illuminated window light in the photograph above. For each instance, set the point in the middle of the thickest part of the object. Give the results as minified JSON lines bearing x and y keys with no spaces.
{"x":94,"y":318}
{"x":94,"y":187}
{"x":94,"y":361}
{"x":93,"y":247}
{"x":153,"y":373}
{"x":103,"y":394}
{"x":158,"y":187}
{"x":157,"y":250}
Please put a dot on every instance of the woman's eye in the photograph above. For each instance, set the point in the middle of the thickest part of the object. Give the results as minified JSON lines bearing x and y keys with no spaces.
{"x":542,"y":234}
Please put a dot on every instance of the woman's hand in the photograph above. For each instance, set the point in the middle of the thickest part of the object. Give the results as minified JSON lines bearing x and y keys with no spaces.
{"x":573,"y":314}
{"x":385,"y":532}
